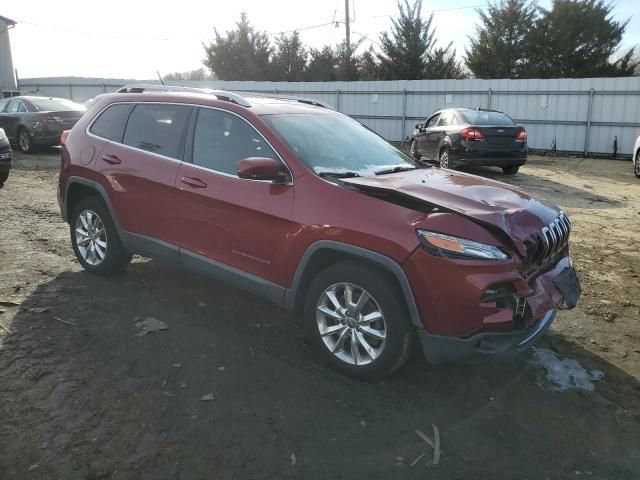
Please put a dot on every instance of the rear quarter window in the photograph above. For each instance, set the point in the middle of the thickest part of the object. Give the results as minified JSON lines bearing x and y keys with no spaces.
{"x":110,"y":123}
{"x":157,"y":128}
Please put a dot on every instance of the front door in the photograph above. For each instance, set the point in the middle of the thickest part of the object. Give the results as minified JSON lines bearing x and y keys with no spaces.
{"x":226,"y":221}
{"x":425,"y":142}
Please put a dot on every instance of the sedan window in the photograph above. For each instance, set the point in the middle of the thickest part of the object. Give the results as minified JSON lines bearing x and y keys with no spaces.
{"x":446,"y":119}
{"x":432,"y":121}
{"x":13,"y":106}
{"x":483,"y":117}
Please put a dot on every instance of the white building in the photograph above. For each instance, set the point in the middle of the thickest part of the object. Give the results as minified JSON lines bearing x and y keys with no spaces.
{"x":7,"y":74}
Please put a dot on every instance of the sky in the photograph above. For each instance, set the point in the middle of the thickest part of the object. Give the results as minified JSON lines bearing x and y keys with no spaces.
{"x":134,"y":39}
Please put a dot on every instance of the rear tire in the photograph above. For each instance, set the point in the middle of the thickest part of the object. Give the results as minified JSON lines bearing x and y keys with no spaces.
{"x":366,"y":338}
{"x":444,"y":159}
{"x":636,"y":166}
{"x":25,"y":142}
{"x":95,"y":239}
{"x":3,"y":177}
{"x":511,"y":169}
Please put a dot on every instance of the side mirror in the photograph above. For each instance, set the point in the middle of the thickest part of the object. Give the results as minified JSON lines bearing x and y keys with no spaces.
{"x":419,"y":126}
{"x":261,"y":168}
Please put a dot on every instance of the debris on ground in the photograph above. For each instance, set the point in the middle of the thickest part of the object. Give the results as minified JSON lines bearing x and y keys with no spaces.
{"x":58,"y":319}
{"x":35,"y":309}
{"x":565,"y":374}
{"x":588,"y":185}
{"x":208,"y":397}
{"x":202,"y":304}
{"x":434,"y":444}
{"x":221,"y":369}
{"x":8,"y":303}
{"x":177,"y":365}
{"x":294,"y":459}
{"x":150,"y":325}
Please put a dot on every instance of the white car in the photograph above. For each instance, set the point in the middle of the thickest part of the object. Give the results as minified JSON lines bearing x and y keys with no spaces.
{"x":636,"y":157}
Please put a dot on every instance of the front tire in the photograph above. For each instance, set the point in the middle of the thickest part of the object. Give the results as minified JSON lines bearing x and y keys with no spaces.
{"x":95,"y":238}
{"x":413,"y":150}
{"x":3,"y":177}
{"x":25,"y":142}
{"x":356,"y":321}
{"x":511,"y":169}
{"x":636,"y":166}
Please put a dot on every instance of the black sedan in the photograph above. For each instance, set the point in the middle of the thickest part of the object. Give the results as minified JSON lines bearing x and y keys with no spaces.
{"x":5,"y":157}
{"x":32,"y":122}
{"x":464,"y":136}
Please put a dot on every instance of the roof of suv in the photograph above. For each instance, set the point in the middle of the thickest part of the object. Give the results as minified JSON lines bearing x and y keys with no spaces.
{"x":259,"y":103}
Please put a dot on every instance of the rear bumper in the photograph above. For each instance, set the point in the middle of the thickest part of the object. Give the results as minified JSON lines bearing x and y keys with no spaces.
{"x":439,"y":349}
{"x":472,"y":155}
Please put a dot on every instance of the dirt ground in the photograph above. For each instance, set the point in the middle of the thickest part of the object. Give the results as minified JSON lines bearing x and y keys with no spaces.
{"x":83,"y":397}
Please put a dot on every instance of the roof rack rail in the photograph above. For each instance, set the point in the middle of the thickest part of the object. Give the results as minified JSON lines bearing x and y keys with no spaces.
{"x":220,"y":94}
{"x":306,"y":100}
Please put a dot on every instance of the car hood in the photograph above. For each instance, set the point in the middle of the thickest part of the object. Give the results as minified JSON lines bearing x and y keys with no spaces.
{"x":494,"y":204}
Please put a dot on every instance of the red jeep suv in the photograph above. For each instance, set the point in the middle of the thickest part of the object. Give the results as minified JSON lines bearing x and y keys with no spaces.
{"x":312,"y":210}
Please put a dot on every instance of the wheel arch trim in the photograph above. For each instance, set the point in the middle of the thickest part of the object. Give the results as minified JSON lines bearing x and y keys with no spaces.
{"x":387,"y":263}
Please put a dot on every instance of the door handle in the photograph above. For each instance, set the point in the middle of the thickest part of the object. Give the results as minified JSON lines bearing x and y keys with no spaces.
{"x":112,"y":159}
{"x":193,"y":182}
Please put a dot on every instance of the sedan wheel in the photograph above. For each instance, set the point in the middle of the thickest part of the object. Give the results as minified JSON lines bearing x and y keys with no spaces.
{"x":91,"y":237}
{"x":637,"y":165}
{"x":444,"y":158}
{"x":24,"y":141}
{"x":414,"y":151}
{"x":351,"y":324}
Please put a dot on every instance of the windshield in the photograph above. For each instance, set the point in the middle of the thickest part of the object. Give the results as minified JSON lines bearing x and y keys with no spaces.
{"x":479,"y":117}
{"x":56,"y":105}
{"x":337,"y":144}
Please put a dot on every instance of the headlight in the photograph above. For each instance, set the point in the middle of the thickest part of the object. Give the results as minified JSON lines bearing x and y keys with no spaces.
{"x":3,"y":136}
{"x":447,"y":245}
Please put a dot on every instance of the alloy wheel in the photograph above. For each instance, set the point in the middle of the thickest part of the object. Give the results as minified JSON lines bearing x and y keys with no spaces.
{"x":413,"y":149}
{"x":444,"y":158}
{"x":351,"y":324}
{"x":24,"y":141}
{"x":91,"y":237}
{"x":637,"y":165}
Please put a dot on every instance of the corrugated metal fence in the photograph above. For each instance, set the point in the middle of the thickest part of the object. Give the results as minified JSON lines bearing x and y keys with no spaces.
{"x":575,"y":115}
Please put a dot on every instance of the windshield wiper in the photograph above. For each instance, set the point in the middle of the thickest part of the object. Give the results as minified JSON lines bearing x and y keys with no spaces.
{"x":399,"y":168}
{"x":339,"y":174}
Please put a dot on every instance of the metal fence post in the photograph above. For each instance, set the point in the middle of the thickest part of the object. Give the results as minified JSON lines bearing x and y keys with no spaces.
{"x":70,"y":92}
{"x":104,"y":88}
{"x":489,"y":92}
{"x":404,"y":113}
{"x":587,"y":132}
{"x":338,"y":99}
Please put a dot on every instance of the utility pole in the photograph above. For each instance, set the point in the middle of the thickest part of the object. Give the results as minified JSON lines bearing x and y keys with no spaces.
{"x":347,"y":28}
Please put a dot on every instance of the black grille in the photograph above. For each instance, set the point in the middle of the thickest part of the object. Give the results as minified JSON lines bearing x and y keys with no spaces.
{"x":546,"y":244}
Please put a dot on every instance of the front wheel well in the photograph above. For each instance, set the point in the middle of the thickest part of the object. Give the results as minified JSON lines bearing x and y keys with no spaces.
{"x":324,"y":258}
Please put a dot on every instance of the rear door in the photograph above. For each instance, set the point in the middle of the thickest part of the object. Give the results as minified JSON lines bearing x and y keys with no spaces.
{"x":140,"y":168}
{"x":226,"y":221}
{"x":437,"y":134}
{"x":425,"y":142}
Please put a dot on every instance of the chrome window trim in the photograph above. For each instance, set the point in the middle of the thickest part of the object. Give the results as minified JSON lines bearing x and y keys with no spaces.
{"x":193,"y":105}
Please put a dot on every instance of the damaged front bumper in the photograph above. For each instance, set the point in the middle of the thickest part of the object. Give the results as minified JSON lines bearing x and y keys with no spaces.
{"x":440,"y":349}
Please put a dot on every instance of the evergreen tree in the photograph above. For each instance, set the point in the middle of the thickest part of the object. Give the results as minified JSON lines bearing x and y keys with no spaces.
{"x":406,"y":48}
{"x":502,"y":42}
{"x":242,"y":54}
{"x":579,"y":38}
{"x":323,"y":65}
{"x":289,"y":59}
{"x":442,"y":63}
{"x":368,"y":67}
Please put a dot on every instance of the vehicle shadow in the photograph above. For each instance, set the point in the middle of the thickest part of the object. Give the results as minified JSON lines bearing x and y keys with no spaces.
{"x":562,"y":194}
{"x":232,"y":387}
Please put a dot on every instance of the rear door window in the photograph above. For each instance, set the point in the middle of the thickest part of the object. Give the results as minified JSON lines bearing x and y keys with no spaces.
{"x":221,"y":140}
{"x":157,"y":128}
{"x":446,"y":119}
{"x":110,"y":123}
